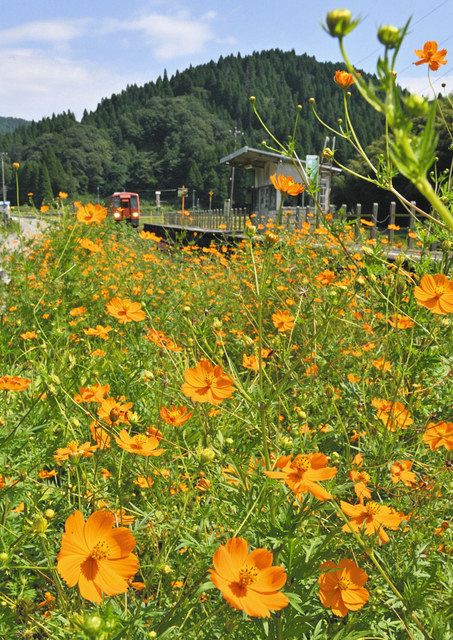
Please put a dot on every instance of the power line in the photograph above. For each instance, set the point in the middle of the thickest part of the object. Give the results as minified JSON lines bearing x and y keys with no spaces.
{"x":414,"y":23}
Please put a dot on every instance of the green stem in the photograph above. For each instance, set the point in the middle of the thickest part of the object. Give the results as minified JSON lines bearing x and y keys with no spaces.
{"x":426,"y":190}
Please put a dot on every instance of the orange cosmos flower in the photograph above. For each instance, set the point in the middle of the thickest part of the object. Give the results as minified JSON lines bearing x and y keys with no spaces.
{"x":77,"y":311}
{"x":326,"y":277}
{"x":398,"y":321}
{"x":163,"y":341}
{"x":141,"y":444}
{"x":401,"y":472}
{"x":14,"y":383}
{"x":286,"y":184}
{"x":251,"y":362}
{"x":98,"y":332}
{"x":372,"y":518}
{"x":304,"y":474}
{"x":96,"y":556}
{"x":431,"y":55}
{"x":283,"y":320}
{"x":74,"y":450}
{"x":393,"y":415}
{"x":207,"y":383}
{"x":28,"y":335}
{"x":435,"y":293}
{"x":125,"y":310}
{"x":89,"y":245}
{"x":176,"y":416}
{"x":96,"y":393}
{"x":91,"y":213}
{"x":114,"y":412}
{"x":341,"y":588}
{"x":100,"y":436}
{"x":144,"y":482}
{"x":344,"y":79}
{"x":439,"y":434}
{"x":248,"y":581}
{"x":382,"y":364}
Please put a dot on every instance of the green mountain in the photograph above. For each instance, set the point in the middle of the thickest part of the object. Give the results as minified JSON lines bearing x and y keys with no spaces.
{"x":7,"y":125}
{"x":174,"y":130}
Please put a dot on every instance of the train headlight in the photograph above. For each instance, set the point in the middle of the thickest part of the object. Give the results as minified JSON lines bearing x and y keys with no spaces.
{"x":117,"y":215}
{"x":135,"y":214}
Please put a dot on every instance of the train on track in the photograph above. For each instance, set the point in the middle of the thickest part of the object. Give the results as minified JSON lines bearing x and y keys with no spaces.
{"x":125,"y":206}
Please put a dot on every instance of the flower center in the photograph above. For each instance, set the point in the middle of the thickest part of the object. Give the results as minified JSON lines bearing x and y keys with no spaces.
{"x":439,"y":290}
{"x":114,"y":414}
{"x":372,"y":508}
{"x":344,"y":583}
{"x":101,"y":550}
{"x":209,"y":379}
{"x":301,"y":463}
{"x":140,"y":440}
{"x":247,"y":575}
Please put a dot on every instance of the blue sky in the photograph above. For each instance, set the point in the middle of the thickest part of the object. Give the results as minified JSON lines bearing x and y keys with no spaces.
{"x":68,"y":54}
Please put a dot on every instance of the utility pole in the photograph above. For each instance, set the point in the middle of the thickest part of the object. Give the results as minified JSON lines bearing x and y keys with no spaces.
{"x":5,"y":214}
{"x":98,"y":194}
{"x":235,"y":133}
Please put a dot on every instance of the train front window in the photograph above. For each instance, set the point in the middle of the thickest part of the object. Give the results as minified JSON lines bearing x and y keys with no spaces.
{"x":116,"y":202}
{"x":125,"y":204}
{"x":134,"y":202}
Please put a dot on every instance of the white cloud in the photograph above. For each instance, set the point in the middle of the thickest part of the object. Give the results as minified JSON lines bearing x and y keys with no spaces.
{"x":421,"y":85}
{"x":44,"y":32}
{"x":40,"y":84}
{"x":169,"y":37}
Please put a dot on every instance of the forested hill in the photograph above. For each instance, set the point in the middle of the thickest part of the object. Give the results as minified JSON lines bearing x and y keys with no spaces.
{"x":10,"y":124}
{"x":174,"y":130}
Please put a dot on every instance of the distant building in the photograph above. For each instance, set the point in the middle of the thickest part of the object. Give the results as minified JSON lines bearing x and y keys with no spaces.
{"x":262,"y":198}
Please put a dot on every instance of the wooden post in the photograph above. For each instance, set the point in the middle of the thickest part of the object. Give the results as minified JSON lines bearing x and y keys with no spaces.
{"x":358,"y":215}
{"x":374,"y":219}
{"x":392,"y":220}
{"x":412,"y":220}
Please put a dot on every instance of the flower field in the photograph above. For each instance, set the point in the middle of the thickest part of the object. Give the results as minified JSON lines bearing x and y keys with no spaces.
{"x":207,"y":443}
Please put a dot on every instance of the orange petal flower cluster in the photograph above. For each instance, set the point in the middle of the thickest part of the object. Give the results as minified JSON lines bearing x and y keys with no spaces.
{"x":344,"y":79}
{"x":283,"y":320}
{"x":125,"y":310}
{"x":91,"y":213}
{"x":248,"y":581}
{"x":28,"y":335}
{"x":439,"y":434}
{"x":98,"y":332}
{"x":251,"y":362}
{"x":393,"y":415}
{"x":286,"y":184}
{"x":96,"y":393}
{"x":372,"y":518}
{"x":140,"y":444}
{"x":75,"y":450}
{"x":14,"y":383}
{"x":96,"y":556}
{"x":162,"y":341}
{"x":399,"y":321}
{"x":207,"y":383}
{"x":400,"y":471}
{"x":341,"y":588}
{"x":431,"y":55}
{"x":435,"y":293}
{"x":175,"y":416}
{"x":304,"y":474}
{"x":114,"y":412}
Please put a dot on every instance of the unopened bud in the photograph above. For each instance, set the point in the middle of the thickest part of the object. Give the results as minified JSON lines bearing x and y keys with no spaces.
{"x":416,"y":105}
{"x":339,"y":22}
{"x":49,"y":514}
{"x":207,"y":455}
{"x":389,"y":36}
{"x":327,"y":153}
